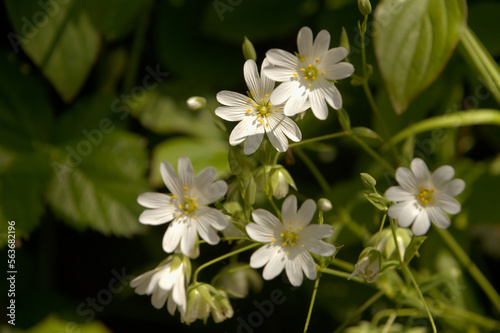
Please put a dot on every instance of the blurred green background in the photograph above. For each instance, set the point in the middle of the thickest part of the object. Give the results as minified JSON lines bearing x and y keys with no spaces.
{"x":92,"y":98}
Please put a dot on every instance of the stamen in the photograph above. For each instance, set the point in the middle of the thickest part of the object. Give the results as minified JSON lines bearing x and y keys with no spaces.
{"x":273,"y":240}
{"x":299,"y":229}
{"x":186,"y":212}
{"x":309,"y":85}
{"x":266,"y":95}
{"x":194,"y":217}
{"x":287,"y":253}
{"x":186,"y":197}
{"x":317,"y":59}
{"x":302,"y":58}
{"x":322,"y":73}
{"x":303,"y":69}
{"x":267,"y":114}
{"x":249,"y":100}
{"x":305,"y":77}
{"x":180,"y":206}
{"x":261,"y":121}
{"x":294,"y":74}
{"x":249,"y":109}
{"x":174,"y":197}
{"x":262,"y":101}
{"x":186,"y":188}
{"x":310,"y":66}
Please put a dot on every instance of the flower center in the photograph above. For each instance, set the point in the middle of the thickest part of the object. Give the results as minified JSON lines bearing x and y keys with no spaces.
{"x":187,"y":205}
{"x":425,"y":196}
{"x":310,"y":72}
{"x":289,"y":238}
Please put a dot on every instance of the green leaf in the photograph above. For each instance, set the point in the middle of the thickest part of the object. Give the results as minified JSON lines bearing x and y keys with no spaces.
{"x":413,"y":247}
{"x":54,"y":324}
{"x":413,"y":41}
{"x":99,"y":170}
{"x":60,"y":39}
{"x":25,"y":116}
{"x":366,"y":133}
{"x":202,"y":153}
{"x":377,"y":200}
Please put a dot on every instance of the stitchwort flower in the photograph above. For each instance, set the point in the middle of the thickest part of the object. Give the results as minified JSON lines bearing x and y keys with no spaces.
{"x":166,"y":283}
{"x":186,"y":207}
{"x":307,"y":76}
{"x":422,"y":197}
{"x":289,"y":242}
{"x":256,"y":114}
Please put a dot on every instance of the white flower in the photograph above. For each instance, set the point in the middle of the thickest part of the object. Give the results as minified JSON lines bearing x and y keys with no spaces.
{"x":290,"y":242}
{"x":187,"y":206}
{"x":204,"y":299}
{"x":423,"y":197}
{"x":306,"y":76}
{"x":165,"y":282}
{"x":256,"y":115}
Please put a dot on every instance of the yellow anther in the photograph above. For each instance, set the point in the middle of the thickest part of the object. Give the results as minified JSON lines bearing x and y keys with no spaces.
{"x":294,"y":74}
{"x":174,"y":197}
{"x":255,"y":105}
{"x":276,"y":110}
{"x":261,"y":121}
{"x":186,"y":212}
{"x":177,"y":215}
{"x":303,"y":69}
{"x":282,"y":235}
{"x":249,"y":100}
{"x":305,"y":77}
{"x":186,"y":188}
{"x":249,"y":109}
{"x":195,"y":205}
{"x":267,"y":114}
{"x":287,"y":253}
{"x":267,"y":125}
{"x":258,"y":116}
{"x":302,"y":58}
{"x":180,"y":206}
{"x":309,"y":85}
{"x":192,"y":199}
{"x":186,"y":197}
{"x":310,"y":66}
{"x":283,"y":245}
{"x":317,"y":59}
{"x":302,"y":245}
{"x":322,"y":73}
{"x":269,"y":104}
{"x":313,"y":78}
{"x":266,"y":95}
{"x":194,"y":217}
{"x":273,"y":240}
{"x":262,"y":101}
{"x":425,"y":196}
{"x":299,"y":229}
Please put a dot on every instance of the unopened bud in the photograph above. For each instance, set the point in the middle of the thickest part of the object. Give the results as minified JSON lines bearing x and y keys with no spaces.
{"x":365,"y":7}
{"x":196,"y":103}
{"x":249,"y":50}
{"x":324,"y":205}
{"x":344,"y":40}
{"x":368,"y":180}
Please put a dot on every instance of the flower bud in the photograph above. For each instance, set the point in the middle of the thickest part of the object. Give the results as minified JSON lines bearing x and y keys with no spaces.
{"x":365,"y":7}
{"x":203,"y":299}
{"x":223,"y":308}
{"x":368,"y":265}
{"x":280,"y":180}
{"x":248,"y":50}
{"x":386,"y":241}
{"x":368,"y":180}
{"x":324,"y":205}
{"x":196,"y":103}
{"x":238,"y":279}
{"x":344,"y":40}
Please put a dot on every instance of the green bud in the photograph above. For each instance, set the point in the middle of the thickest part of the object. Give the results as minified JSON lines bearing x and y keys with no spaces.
{"x":365,"y":7}
{"x":196,"y":103}
{"x":368,"y":180}
{"x":280,"y":180}
{"x":324,"y":205}
{"x":238,"y":279}
{"x":386,"y":242}
{"x":344,"y":40}
{"x":198,"y":304}
{"x":368,"y":265}
{"x":249,"y":50}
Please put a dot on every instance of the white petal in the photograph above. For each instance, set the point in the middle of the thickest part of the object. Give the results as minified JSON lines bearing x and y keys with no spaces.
{"x":262,"y":256}
{"x":421,"y":224}
{"x":231,"y":113}
{"x":330,"y":93}
{"x":318,"y":105}
{"x":288,"y":126}
{"x":173,"y":236}
{"x":319,"y":247}
{"x":231,"y":98}
{"x":154,"y":200}
{"x":334,"y":56}
{"x":306,"y":212}
{"x":407,"y":180}
{"x":212,"y":217}
{"x":420,"y":170}
{"x":253,"y":141}
{"x":294,"y":268}
{"x":185,"y":171}
{"x":397,"y":193}
{"x":159,"y":298}
{"x":209,"y":193}
{"x":280,"y":74}
{"x":308,"y":266}
{"x":316,"y":231}
{"x":295,"y":103}
{"x":142,"y":280}
{"x":276,"y":135}
{"x":266,"y":83}
{"x":158,"y":216}
{"x":170,"y":178}
{"x":281,"y":58}
{"x":205,"y":177}
{"x":242,"y":130}
{"x":252,"y":77}
{"x":179,"y":293}
{"x":206,"y":232}
{"x":188,"y":238}
{"x":455,"y":187}
{"x":442,"y":175}
{"x":263,"y":217}
{"x":448,"y":204}
{"x":321,"y":44}
{"x":338,"y":71}
{"x":289,"y":210}
{"x":438,"y":217}
{"x":275,"y":265}
{"x":283,"y":92}
{"x":405,"y":212}
{"x":305,"y":41}
{"x":260,"y":233}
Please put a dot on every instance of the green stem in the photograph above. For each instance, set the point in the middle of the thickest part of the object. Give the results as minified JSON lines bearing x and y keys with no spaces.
{"x":450,"y":120}
{"x":360,"y":310}
{"x":343,"y":264}
{"x":311,"y":305}
{"x":479,"y":58}
{"x":227,"y":255}
{"x":137,"y":47}
{"x":344,"y":275}
{"x":481,"y":280}
{"x":380,"y":231}
{"x":373,"y":154}
{"x":314,"y":170}
{"x":319,"y":138}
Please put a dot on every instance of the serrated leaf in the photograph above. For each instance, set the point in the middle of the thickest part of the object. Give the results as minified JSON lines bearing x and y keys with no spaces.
{"x":413,"y":41}
{"x":202,"y":153}
{"x":59,"y":38}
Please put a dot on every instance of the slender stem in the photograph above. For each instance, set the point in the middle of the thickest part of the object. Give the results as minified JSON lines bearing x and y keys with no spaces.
{"x":372,"y":153}
{"x":344,"y":275}
{"x":461,"y":255}
{"x":227,"y":255}
{"x":319,"y":138}
{"x":314,"y":170}
{"x":380,"y":230}
{"x":343,"y":264}
{"x":311,"y":305}
{"x":396,"y":243}
{"x":360,"y":310}
{"x":137,"y":47}
{"x":450,"y":120}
